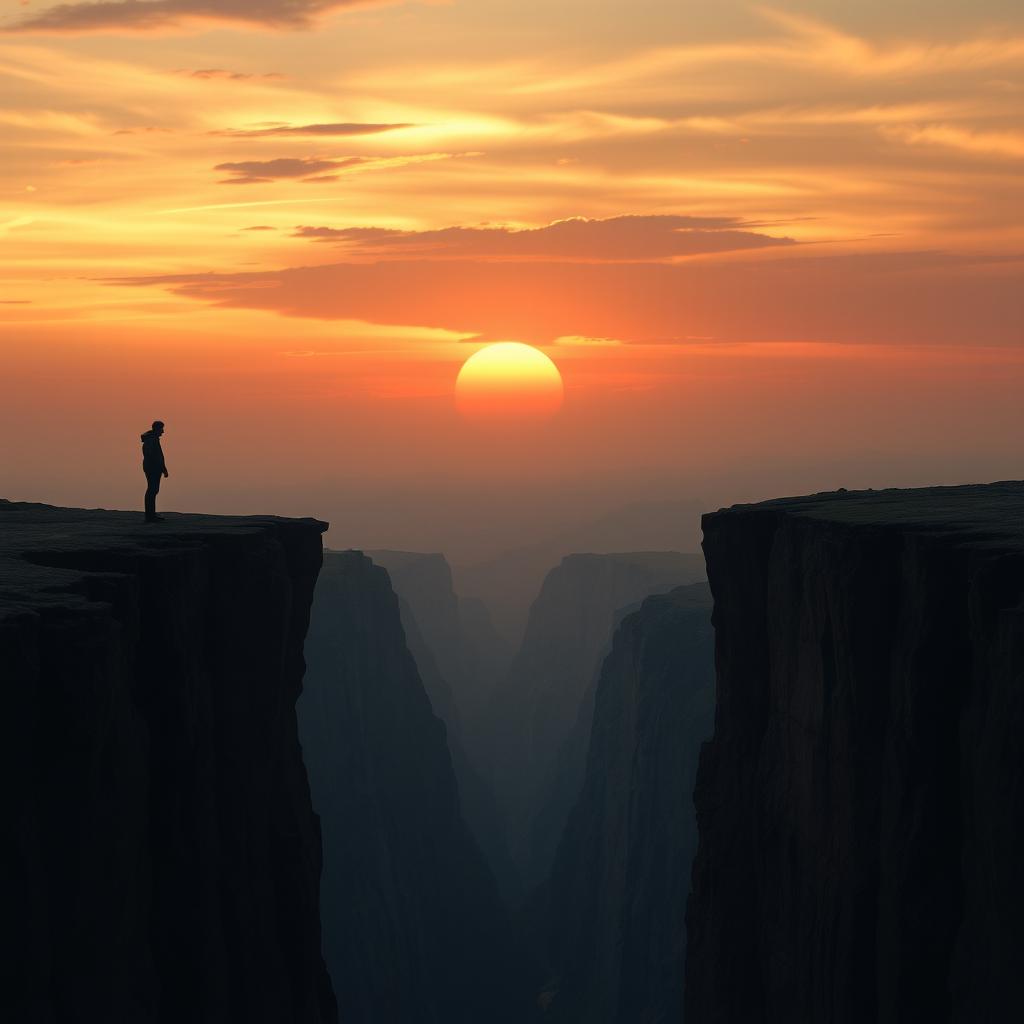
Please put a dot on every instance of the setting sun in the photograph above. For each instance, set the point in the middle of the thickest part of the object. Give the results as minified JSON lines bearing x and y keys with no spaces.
{"x":508,"y":380}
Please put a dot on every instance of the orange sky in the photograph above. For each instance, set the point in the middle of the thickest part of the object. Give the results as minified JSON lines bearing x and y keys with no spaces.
{"x":770,"y":247}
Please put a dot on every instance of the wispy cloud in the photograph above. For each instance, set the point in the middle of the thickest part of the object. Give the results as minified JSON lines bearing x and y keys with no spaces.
{"x":579,"y":341}
{"x":793,"y":45}
{"x":15,"y":222}
{"x":317,"y":169}
{"x":627,"y":238}
{"x":146,"y":129}
{"x":157,"y":15}
{"x":339,"y":129}
{"x":232,"y":76}
{"x":249,"y":172}
{"x":983,"y":143}
{"x":821,"y":43}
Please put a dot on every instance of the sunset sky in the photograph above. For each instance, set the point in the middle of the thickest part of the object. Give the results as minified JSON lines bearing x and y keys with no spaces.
{"x":770,"y":248}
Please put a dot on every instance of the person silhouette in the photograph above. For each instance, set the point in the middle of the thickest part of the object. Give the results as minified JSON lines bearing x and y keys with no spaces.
{"x":154,"y":467}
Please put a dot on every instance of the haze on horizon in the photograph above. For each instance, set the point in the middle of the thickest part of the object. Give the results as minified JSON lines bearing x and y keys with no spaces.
{"x":771,"y":248}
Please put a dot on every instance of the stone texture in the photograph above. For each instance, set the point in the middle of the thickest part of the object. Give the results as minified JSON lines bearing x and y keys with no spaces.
{"x":616,"y":897}
{"x":861,"y":806}
{"x":414,"y":929}
{"x":159,"y":856}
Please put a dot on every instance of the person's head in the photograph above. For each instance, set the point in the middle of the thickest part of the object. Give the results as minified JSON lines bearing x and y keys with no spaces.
{"x":158,"y":427}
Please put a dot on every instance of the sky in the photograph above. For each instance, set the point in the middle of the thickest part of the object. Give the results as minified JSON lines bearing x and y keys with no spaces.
{"x":771,"y":248}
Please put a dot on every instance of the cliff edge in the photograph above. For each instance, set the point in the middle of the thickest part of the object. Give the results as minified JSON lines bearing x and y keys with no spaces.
{"x":160,"y":856}
{"x":861,"y":806}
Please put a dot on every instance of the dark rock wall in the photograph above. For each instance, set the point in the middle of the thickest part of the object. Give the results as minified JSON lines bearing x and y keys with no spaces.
{"x":414,"y":929}
{"x":861,"y":806}
{"x":160,"y":859}
{"x":476,"y":798}
{"x":616,"y":897}
{"x":431,"y":619}
{"x":424,"y":584}
{"x":559,"y":793}
{"x":543,"y":701}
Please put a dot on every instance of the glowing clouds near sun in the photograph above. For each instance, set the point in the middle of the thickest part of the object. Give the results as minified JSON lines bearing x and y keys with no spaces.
{"x":508,"y":381}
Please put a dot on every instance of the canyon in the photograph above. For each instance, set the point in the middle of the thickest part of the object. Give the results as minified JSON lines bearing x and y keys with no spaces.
{"x":541,"y":711}
{"x":245,"y":780}
{"x":606,"y":921}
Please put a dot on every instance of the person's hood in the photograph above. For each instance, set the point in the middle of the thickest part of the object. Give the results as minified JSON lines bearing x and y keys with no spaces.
{"x":150,"y":435}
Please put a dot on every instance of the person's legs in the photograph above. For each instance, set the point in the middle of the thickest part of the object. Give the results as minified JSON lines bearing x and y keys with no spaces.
{"x":152,"y":490}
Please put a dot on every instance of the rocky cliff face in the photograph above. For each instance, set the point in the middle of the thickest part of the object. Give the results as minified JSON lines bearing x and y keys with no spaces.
{"x":413,"y":926}
{"x":431,"y":619}
{"x":861,"y":807}
{"x":542,"y":702}
{"x":424,"y":582}
{"x":616,"y":897}
{"x":159,"y":856}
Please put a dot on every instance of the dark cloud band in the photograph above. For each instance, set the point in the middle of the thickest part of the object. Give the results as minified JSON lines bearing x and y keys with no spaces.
{"x":247,"y":172}
{"x":615,"y":238}
{"x":313,"y":130}
{"x":811,"y":298}
{"x":154,"y":15}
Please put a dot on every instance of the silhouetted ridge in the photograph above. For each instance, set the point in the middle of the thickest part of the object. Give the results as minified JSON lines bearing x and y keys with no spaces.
{"x":616,"y":897}
{"x":413,"y":926}
{"x":861,"y":806}
{"x":159,"y":856}
{"x":508,"y":583}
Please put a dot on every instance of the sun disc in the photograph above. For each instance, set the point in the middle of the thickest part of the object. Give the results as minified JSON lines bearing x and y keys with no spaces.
{"x":508,"y":380}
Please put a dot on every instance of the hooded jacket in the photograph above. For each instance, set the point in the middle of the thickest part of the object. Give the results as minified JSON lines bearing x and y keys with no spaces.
{"x":152,"y":453}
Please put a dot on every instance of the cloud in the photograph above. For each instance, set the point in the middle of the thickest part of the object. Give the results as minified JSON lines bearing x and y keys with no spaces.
{"x":248,"y":172}
{"x":861,"y":298}
{"x":16,"y":222}
{"x":1006,"y":144}
{"x":826,"y":44}
{"x":233,"y":76}
{"x":148,"y":129}
{"x":343,"y":129}
{"x":578,"y":341}
{"x":260,"y":227}
{"x":625,"y":238}
{"x":156,"y":15}
{"x":316,"y":169}
{"x":748,"y":66}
